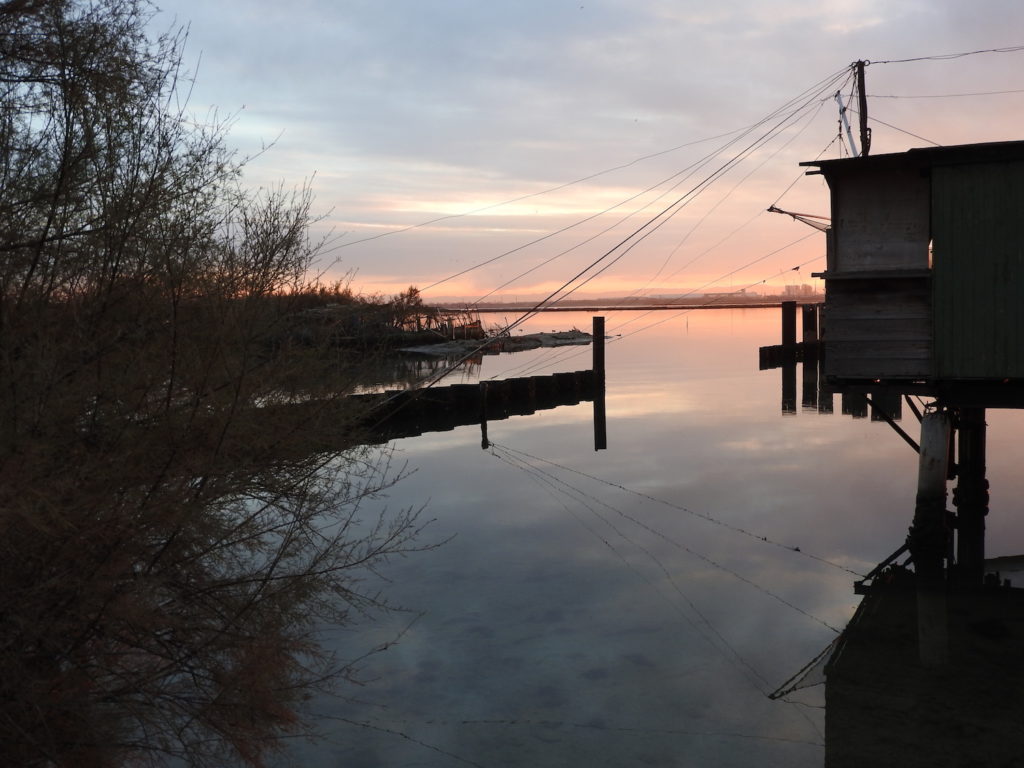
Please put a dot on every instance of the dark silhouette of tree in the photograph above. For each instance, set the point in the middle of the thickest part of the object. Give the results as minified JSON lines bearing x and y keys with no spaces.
{"x":168,"y":540}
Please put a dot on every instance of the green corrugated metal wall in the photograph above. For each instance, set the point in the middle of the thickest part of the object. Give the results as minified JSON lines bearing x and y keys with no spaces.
{"x":978,"y":270}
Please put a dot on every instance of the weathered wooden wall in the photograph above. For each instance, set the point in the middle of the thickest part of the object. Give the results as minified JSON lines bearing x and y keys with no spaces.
{"x":878,"y":328}
{"x":879,"y":219}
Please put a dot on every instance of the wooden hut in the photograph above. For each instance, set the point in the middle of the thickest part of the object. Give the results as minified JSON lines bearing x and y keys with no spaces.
{"x":924,"y":281}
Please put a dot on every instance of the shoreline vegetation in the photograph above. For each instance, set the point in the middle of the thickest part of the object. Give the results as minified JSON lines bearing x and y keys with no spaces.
{"x":186,"y":494}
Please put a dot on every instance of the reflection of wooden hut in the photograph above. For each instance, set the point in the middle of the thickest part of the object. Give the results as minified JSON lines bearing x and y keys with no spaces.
{"x":925,"y":267}
{"x":883,"y":707}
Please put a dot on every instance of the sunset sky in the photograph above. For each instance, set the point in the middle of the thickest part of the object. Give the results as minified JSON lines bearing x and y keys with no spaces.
{"x":404,"y":112}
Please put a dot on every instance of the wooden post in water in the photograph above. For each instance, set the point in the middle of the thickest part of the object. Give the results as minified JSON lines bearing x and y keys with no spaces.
{"x":788,"y":357}
{"x":971,"y":498}
{"x":600,"y":423}
{"x":788,"y":323}
{"x":810,"y":322}
{"x":928,"y":540}
{"x":809,"y":315}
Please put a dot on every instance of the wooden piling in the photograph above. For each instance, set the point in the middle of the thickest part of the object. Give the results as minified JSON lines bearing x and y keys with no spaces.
{"x":810,"y":322}
{"x":600,"y":421}
{"x":928,"y":540}
{"x":788,"y":323}
{"x":971,"y":498}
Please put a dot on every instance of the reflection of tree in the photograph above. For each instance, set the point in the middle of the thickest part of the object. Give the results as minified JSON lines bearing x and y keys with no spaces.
{"x":409,"y":370}
{"x":164,"y":552}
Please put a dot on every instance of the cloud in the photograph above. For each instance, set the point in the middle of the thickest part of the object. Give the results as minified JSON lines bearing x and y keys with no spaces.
{"x":415,"y":109}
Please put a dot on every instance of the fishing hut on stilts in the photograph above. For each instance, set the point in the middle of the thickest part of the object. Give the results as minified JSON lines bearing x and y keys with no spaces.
{"x":924,"y":300}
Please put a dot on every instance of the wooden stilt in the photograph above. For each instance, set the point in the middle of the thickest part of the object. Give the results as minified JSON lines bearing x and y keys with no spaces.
{"x":928,"y":540}
{"x":971,"y":498}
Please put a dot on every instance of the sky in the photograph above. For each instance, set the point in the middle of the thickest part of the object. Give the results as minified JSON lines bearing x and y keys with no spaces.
{"x":439,"y":135}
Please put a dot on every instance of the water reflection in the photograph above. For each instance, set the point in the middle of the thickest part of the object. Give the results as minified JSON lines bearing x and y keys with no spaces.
{"x":927,"y":671}
{"x":164,"y":571}
{"x":885,"y":707}
{"x":383,"y":371}
{"x":602,"y":618}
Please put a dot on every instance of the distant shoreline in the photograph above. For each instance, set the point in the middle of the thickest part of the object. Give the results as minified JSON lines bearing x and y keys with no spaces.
{"x":641,"y":307}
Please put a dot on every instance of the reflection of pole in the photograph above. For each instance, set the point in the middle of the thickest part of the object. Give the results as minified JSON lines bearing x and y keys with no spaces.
{"x":600,"y":426}
{"x":484,"y":442}
{"x":810,"y":383}
{"x":826,"y":398}
{"x":971,"y":498}
{"x":928,"y":540}
{"x":788,"y":383}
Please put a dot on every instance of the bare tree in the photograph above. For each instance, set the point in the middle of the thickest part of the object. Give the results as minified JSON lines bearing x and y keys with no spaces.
{"x":176,"y":513}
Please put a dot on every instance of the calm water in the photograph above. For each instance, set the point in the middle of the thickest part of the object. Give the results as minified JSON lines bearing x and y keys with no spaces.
{"x":586,"y":612}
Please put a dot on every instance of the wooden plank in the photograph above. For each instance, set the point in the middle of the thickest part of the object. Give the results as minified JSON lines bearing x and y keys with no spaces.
{"x":897,"y":303}
{"x":853,"y":349}
{"x":877,"y":359}
{"x":880,"y":329}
